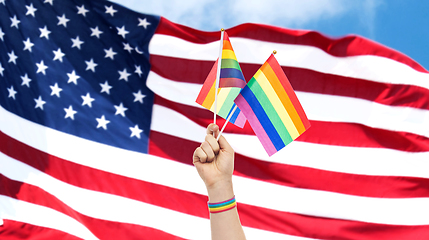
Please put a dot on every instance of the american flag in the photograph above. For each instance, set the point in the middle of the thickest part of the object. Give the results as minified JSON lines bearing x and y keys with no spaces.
{"x":97,"y":136}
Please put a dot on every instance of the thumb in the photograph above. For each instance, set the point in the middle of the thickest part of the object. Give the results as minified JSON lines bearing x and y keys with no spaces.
{"x":213,"y":128}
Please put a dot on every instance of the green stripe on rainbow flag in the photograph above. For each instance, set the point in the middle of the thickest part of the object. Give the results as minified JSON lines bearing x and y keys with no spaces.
{"x":272,"y":108}
{"x":230,"y":83}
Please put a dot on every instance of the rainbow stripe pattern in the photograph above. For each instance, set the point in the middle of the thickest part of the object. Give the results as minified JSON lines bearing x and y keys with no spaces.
{"x":231,"y":81}
{"x":270,"y":104}
{"x":222,"y":206}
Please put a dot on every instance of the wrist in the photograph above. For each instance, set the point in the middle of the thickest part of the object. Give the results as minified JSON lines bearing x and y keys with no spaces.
{"x":220,"y":191}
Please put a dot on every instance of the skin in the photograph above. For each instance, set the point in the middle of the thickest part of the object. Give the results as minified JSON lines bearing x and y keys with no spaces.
{"x":214,"y":161}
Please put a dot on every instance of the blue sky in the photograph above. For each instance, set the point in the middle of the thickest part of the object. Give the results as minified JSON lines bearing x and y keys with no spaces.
{"x":400,"y":24}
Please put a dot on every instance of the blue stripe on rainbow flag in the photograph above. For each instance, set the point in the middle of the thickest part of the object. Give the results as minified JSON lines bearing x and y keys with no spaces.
{"x":275,"y":138}
{"x":231,"y":73}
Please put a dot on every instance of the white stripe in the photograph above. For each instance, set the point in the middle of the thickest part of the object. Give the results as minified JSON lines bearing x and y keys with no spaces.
{"x":102,"y":206}
{"x":366,"y":161}
{"x":367,"y":67}
{"x":411,"y":211}
{"x":319,"y":107}
{"x":354,"y":160}
{"x":21,"y":211}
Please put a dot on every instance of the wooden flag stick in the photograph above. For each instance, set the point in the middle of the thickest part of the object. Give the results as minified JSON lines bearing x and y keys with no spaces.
{"x":226,"y":122}
{"x":218,"y":74}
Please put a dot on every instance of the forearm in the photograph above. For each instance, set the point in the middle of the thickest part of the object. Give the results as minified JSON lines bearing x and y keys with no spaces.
{"x":224,"y":225}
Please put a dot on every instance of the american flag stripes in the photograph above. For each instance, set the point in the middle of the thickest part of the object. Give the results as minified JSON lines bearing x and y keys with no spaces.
{"x":359,"y":172}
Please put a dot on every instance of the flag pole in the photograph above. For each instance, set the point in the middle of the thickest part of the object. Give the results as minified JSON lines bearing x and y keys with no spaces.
{"x":230,"y":115}
{"x":218,"y":74}
{"x":226,"y":122}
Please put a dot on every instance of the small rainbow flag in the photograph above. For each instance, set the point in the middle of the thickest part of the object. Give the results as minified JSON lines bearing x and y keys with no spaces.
{"x":231,"y":81}
{"x":272,"y":108}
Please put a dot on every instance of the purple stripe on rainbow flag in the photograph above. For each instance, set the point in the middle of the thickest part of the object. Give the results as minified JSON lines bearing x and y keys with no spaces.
{"x":273,"y":119}
{"x":230,"y":82}
{"x":256,"y":125}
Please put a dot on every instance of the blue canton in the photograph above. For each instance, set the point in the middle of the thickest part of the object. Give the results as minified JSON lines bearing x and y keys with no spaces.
{"x":79,"y":67}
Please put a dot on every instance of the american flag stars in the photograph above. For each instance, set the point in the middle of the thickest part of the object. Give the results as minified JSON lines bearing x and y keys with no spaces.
{"x":81,"y":67}
{"x":31,"y":10}
{"x":14,"y":21}
{"x":63,"y":20}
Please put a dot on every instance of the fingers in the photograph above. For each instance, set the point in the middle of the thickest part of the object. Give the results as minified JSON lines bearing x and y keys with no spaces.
{"x":213,"y":143}
{"x":199,"y":155}
{"x":210,"y":148}
{"x":209,"y":153}
{"x":213,"y":128}
{"x":206,"y":153}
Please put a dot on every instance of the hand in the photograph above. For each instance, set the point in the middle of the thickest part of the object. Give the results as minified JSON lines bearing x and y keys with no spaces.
{"x":215,"y":164}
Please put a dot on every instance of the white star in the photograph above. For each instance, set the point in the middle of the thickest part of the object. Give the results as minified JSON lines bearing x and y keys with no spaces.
{"x":105,"y":87}
{"x":90,"y":65}
{"x":28,"y":44}
{"x":63,"y":20}
{"x":1,"y":34}
{"x":95,"y":32}
{"x":1,"y":69}
{"x":70,"y":112}
{"x":41,"y":67}
{"x":44,"y":32}
{"x":138,"y":96}
{"x":2,"y":1}
{"x":31,"y":10}
{"x":135,"y":131}
{"x":122,"y":31}
{"x":102,"y":122}
{"x":12,"y":92}
{"x":144,"y":23}
{"x":15,"y":22}
{"x":110,"y":10}
{"x":138,"y":70}
{"x":12,"y":57}
{"x":120,"y":109}
{"x":77,"y":42}
{"x":82,"y":10}
{"x":55,"y":90}
{"x":124,"y":75}
{"x":72,"y":77}
{"x":59,"y":55}
{"x":39,"y":103}
{"x":49,"y":1}
{"x":87,"y":100}
{"x":127,"y":47}
{"x":109,"y":53}
{"x":25,"y":80}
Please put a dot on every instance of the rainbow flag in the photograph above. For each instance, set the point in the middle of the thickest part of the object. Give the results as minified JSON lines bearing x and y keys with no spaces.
{"x":231,"y":81}
{"x":272,"y":108}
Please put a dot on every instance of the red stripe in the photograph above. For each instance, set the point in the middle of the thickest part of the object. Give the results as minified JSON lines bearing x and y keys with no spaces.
{"x":155,"y":194}
{"x":300,"y":177}
{"x":289,"y":90}
{"x":251,"y":216}
{"x":13,"y":230}
{"x":102,"y":229}
{"x":340,"y":47}
{"x":329,"y":133}
{"x":305,"y":80}
{"x":89,"y":178}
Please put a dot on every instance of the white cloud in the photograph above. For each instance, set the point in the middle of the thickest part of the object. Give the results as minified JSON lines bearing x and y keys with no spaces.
{"x":212,"y":15}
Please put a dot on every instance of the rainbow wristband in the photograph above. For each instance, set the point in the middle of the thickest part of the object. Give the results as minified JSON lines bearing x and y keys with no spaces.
{"x":222,"y":206}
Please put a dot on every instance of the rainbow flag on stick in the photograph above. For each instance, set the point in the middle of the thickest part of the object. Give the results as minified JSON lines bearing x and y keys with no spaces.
{"x":231,"y":81}
{"x":272,"y":108}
